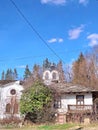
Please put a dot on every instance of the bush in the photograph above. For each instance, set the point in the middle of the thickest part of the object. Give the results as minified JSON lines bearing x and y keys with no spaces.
{"x":36,"y":104}
{"x":10,"y":122}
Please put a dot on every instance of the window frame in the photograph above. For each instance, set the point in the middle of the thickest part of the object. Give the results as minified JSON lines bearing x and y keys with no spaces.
{"x":54,"y":76}
{"x":47,"y":76}
{"x":57,"y":103}
{"x":8,"y":108}
{"x":79,"y":100}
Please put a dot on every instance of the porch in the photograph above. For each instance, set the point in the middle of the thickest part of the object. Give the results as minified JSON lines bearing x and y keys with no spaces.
{"x":80,"y":108}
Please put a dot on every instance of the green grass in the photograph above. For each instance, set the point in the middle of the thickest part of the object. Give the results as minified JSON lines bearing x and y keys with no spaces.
{"x":67,"y":126}
{"x":56,"y":127}
{"x":43,"y":127}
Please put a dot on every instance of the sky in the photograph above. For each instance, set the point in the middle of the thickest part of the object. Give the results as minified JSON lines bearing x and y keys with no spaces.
{"x":33,"y":30}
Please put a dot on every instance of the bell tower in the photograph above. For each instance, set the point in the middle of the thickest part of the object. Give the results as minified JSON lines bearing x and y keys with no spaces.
{"x":50,"y":75}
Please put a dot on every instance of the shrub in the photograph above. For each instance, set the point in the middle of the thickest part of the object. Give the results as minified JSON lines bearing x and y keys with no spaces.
{"x":36,"y":103}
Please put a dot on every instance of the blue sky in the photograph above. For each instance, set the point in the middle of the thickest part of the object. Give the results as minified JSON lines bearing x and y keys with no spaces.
{"x":67,"y":26}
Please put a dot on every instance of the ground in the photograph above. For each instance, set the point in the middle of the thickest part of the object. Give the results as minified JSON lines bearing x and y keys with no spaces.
{"x":56,"y":127}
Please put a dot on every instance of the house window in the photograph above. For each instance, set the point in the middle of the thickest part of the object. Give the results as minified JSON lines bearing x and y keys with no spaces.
{"x":46,"y":76}
{"x":80,"y":99}
{"x":57,"y":103}
{"x":54,"y":76}
{"x":8,"y":108}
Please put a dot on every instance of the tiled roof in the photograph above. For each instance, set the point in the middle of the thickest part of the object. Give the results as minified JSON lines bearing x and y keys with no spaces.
{"x":3,"y":82}
{"x":69,"y":88}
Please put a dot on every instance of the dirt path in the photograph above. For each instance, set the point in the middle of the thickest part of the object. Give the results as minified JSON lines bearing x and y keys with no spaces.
{"x":90,"y":128}
{"x":85,"y":128}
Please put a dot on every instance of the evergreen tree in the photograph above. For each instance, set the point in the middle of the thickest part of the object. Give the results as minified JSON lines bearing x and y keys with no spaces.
{"x":46,"y":64}
{"x":81,"y":58}
{"x":15,"y":74}
{"x":9,"y":75}
{"x":27,"y":72}
{"x":3,"y":76}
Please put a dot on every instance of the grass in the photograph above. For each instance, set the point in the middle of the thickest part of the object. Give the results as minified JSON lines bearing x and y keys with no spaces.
{"x":42,"y":127}
{"x":56,"y":127}
{"x":67,"y":126}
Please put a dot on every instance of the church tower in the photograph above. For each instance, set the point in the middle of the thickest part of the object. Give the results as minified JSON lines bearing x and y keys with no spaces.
{"x":50,"y":75}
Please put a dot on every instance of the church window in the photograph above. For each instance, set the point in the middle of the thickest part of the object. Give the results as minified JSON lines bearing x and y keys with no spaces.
{"x":8,"y":108}
{"x":46,"y":76}
{"x":54,"y":76}
{"x":16,"y":108}
{"x":13,"y":92}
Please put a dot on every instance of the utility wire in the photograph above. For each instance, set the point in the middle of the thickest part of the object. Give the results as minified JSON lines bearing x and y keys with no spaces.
{"x":36,"y":32}
{"x":26,"y":57}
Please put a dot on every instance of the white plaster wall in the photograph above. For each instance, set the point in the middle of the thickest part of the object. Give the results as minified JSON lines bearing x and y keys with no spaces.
{"x":88,"y":99}
{"x":6,"y":90}
{"x":70,"y":99}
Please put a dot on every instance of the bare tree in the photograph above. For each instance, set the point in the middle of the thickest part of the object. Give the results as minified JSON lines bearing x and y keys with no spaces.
{"x":61,"y":71}
{"x":37,"y":72}
{"x":85,"y":69}
{"x":68,"y":73}
{"x":92,"y":60}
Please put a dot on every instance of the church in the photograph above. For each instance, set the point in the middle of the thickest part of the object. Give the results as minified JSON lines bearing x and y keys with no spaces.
{"x":10,"y":94}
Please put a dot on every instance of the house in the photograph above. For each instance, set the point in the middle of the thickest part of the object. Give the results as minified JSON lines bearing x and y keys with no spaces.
{"x":72,"y":102}
{"x":10,"y":94}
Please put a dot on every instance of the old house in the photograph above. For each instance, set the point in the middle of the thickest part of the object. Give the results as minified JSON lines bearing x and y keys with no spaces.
{"x":72,"y":102}
{"x":10,"y":94}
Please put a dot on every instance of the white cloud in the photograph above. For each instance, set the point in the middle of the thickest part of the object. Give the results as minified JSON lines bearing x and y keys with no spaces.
{"x":21,"y":66}
{"x":53,"y":40}
{"x":63,"y":2}
{"x":93,"y":39}
{"x":83,"y":2}
{"x":60,"y":40}
{"x":75,"y":33}
{"x":56,"y":2}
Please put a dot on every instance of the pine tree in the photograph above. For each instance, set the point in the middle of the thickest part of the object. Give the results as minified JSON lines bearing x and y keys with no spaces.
{"x":9,"y":75}
{"x":15,"y":74}
{"x":27,"y":72}
{"x":46,"y":64}
{"x":81,"y":58}
{"x":3,"y":76}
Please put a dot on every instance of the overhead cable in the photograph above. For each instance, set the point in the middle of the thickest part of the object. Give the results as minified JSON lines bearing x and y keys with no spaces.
{"x":36,"y":32}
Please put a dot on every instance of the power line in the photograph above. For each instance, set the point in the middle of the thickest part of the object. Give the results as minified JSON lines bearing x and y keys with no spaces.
{"x":3,"y":59}
{"x":36,"y":32}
